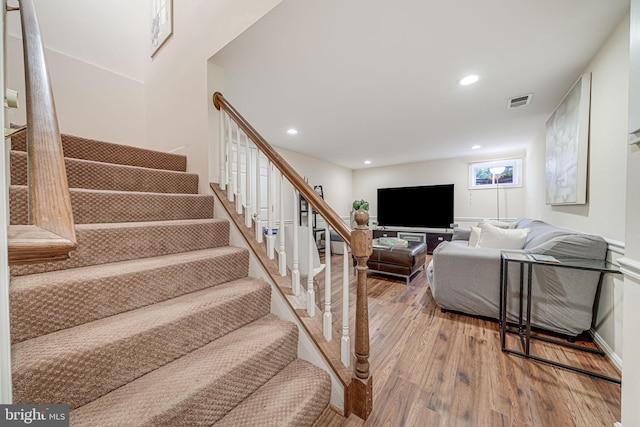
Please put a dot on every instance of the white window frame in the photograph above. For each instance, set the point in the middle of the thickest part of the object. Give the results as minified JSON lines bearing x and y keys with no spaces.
{"x":515,"y":164}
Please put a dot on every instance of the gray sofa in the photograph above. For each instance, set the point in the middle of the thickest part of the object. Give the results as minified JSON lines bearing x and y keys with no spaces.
{"x":467,"y":279}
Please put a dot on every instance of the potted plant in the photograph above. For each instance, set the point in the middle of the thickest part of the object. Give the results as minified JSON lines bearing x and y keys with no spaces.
{"x":358,"y":204}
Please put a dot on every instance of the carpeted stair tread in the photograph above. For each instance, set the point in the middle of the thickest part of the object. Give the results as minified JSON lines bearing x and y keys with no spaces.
{"x":48,"y":302}
{"x":105,"y":243}
{"x":100,"y":151}
{"x":77,"y":365}
{"x":201,"y":387}
{"x":295,"y":397}
{"x":105,"y":176}
{"x":97,"y":206}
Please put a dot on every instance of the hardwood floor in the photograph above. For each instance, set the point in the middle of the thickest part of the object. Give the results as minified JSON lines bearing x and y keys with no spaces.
{"x":432,"y":368}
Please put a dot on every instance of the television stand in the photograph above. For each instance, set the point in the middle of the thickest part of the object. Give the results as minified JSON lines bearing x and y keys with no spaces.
{"x":431,"y":238}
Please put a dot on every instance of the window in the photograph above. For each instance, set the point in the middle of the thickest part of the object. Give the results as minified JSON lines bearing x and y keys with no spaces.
{"x":480,"y":175}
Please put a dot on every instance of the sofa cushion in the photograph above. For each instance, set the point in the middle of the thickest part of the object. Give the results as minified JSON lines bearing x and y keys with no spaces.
{"x":500,"y":238}
{"x":499,"y":224}
{"x":474,"y":236}
{"x":460,"y":233}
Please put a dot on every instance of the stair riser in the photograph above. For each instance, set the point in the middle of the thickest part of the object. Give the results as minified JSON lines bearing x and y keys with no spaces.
{"x":79,"y":375}
{"x":202,"y":386}
{"x":64,"y":302}
{"x":99,"y":245}
{"x":89,"y":149}
{"x":91,"y":207}
{"x":105,"y":176}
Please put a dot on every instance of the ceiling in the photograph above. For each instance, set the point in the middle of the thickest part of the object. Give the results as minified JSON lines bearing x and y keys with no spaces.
{"x":378,"y":80}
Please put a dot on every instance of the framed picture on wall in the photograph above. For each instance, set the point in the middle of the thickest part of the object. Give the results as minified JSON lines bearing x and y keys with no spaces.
{"x":161,"y":24}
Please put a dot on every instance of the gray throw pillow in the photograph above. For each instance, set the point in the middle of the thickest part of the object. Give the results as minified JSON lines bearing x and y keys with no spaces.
{"x":460,"y":233}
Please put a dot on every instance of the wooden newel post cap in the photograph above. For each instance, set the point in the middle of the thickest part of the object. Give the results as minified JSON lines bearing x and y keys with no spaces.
{"x":361,"y":237}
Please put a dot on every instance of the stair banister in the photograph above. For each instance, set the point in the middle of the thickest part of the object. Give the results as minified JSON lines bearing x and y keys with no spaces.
{"x":358,"y":396}
{"x":50,"y":234}
{"x":292,"y":176}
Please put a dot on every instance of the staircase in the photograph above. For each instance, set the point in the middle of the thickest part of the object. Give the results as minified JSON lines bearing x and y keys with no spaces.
{"x":153,"y":321}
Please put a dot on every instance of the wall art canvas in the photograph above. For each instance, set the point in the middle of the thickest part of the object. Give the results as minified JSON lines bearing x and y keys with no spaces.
{"x":161,"y":23}
{"x":567,"y":150}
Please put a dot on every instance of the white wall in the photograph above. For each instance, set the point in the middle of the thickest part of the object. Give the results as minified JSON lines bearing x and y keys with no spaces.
{"x":468,"y":204}
{"x":604,"y":213}
{"x":631,"y":346}
{"x":176,"y":79}
{"x":336,"y":181}
{"x":96,"y":72}
{"x":108,"y":87}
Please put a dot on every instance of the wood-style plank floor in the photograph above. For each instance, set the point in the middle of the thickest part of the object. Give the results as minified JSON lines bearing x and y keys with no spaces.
{"x":432,"y":368}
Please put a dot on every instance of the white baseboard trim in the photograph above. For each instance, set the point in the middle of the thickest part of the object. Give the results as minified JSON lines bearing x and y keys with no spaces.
{"x":615,"y":359}
{"x":617,"y":424}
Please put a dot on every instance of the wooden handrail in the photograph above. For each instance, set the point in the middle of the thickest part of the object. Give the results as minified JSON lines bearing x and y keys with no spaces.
{"x":294,"y":178}
{"x":51,"y":233}
{"x":358,"y":396}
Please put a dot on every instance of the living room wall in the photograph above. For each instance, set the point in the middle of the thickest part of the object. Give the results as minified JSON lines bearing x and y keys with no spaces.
{"x":336,"y":181}
{"x":604,"y":213}
{"x":469,"y":205}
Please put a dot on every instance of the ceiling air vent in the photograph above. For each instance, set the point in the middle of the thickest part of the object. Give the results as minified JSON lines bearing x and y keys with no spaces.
{"x":519,"y":101}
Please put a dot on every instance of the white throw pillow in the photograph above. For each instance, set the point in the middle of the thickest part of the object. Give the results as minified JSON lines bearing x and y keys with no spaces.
{"x":474,"y":236}
{"x":498,"y":238}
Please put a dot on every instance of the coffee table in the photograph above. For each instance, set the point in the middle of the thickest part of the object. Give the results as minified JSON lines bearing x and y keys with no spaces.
{"x":396,"y":261}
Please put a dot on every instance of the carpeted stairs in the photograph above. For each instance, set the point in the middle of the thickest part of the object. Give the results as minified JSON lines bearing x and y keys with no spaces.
{"x":153,"y":321}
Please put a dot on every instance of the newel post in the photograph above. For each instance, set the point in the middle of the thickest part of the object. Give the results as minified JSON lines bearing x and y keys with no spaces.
{"x":360,"y":390}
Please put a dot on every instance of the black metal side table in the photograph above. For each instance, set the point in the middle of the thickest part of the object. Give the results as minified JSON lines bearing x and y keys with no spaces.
{"x":526,"y":262}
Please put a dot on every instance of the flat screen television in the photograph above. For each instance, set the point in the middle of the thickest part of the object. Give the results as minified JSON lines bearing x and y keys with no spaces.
{"x":428,"y":206}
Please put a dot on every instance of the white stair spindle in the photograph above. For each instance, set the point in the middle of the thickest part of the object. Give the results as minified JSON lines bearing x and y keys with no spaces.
{"x":282,"y":253}
{"x":345,"y":342}
{"x":327,"y":319}
{"x":223,"y":151}
{"x":258,"y":219}
{"x":248,"y":177}
{"x":238,"y":188}
{"x":270,"y":212}
{"x":311,"y":296}
{"x":295,"y":271}
{"x":230,"y":181}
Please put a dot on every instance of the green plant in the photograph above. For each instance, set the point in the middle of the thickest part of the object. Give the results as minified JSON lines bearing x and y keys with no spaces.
{"x":360,"y":204}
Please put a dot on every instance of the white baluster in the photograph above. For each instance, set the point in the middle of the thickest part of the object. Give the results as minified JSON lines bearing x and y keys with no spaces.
{"x":223,"y":151}
{"x":270,"y":213}
{"x":230,"y":188}
{"x":238,"y":188}
{"x":282,"y":254}
{"x":248,"y":177}
{"x":258,"y":220}
{"x":311,"y":296}
{"x":345,"y":342}
{"x":295,"y":271}
{"x":327,"y":318}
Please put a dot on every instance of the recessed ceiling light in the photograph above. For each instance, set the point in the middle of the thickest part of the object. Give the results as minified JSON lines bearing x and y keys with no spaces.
{"x":367,"y":162}
{"x":292,"y":131}
{"x":469,"y":80}
{"x":476,"y":147}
